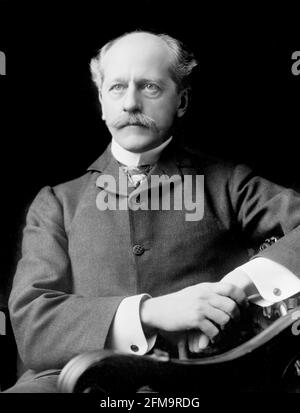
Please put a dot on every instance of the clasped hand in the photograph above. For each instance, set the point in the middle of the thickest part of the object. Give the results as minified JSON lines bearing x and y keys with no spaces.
{"x":201,"y":311}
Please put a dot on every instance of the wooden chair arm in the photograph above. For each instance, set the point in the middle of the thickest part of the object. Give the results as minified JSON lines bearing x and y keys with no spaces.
{"x":267,"y":362}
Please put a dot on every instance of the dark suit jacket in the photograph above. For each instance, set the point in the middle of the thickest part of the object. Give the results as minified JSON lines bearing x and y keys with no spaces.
{"x":78,"y":262}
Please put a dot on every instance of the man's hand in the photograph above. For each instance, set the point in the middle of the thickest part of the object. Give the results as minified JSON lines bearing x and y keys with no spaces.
{"x":207,"y":307}
{"x":197,"y":340}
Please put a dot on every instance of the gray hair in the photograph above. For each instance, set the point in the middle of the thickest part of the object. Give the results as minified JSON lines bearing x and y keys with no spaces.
{"x":180,"y":70}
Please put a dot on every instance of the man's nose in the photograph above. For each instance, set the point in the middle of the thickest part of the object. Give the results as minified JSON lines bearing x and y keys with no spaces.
{"x":132,"y":102}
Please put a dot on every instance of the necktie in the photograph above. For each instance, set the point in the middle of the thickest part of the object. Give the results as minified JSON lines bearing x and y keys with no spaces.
{"x":136,"y":174}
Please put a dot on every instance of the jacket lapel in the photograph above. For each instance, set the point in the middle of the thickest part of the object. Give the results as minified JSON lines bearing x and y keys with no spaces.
{"x":112,"y":178}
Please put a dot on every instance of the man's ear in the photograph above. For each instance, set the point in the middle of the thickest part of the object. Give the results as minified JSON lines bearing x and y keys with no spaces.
{"x":101,"y":106}
{"x":183,"y":102}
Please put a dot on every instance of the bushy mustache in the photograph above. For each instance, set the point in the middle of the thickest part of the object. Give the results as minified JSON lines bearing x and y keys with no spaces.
{"x":138,"y":119}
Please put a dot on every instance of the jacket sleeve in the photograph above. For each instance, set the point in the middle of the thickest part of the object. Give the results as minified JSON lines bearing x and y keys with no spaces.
{"x":50,"y":322}
{"x":264,"y":209}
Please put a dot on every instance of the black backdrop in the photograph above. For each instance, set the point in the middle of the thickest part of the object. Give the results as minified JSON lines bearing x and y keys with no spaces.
{"x":245,"y":102}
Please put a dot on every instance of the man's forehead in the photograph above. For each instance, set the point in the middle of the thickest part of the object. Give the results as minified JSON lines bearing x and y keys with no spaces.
{"x":139,"y":50}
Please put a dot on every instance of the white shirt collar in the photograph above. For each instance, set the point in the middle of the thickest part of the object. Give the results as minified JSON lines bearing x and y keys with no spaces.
{"x":135,"y":159}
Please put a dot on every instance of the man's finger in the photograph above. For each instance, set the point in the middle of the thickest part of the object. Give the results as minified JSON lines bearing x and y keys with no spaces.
{"x":197,"y":341}
{"x":231,"y":291}
{"x":208,"y":328}
{"x":225,"y":304}
{"x":218,"y":316}
{"x":203,"y":342}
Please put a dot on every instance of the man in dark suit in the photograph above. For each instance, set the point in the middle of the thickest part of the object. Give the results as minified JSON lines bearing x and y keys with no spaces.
{"x":137,"y":246}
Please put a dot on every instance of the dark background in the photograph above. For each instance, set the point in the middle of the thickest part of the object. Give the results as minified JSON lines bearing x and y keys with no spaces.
{"x":245,"y":102}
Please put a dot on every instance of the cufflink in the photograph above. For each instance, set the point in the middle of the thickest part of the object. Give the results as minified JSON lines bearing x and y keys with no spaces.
{"x":134,"y":348}
{"x":268,"y":242}
{"x":277,"y":292}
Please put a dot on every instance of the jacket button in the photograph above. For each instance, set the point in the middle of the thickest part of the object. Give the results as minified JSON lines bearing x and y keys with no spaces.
{"x":138,"y":250}
{"x":134,"y":348}
{"x":277,"y":291}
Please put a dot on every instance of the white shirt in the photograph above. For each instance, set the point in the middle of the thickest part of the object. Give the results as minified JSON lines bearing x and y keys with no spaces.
{"x":268,"y":277}
{"x":135,"y":159}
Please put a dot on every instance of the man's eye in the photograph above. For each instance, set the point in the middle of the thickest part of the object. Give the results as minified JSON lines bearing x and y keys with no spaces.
{"x":117,"y":87}
{"x":151,"y":88}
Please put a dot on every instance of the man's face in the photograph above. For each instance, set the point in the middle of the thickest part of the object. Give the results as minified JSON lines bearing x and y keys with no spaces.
{"x":139,"y":99}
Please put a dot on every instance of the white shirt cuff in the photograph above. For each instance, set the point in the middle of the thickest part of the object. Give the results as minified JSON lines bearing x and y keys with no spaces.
{"x":273,"y":281}
{"x":126,"y":332}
